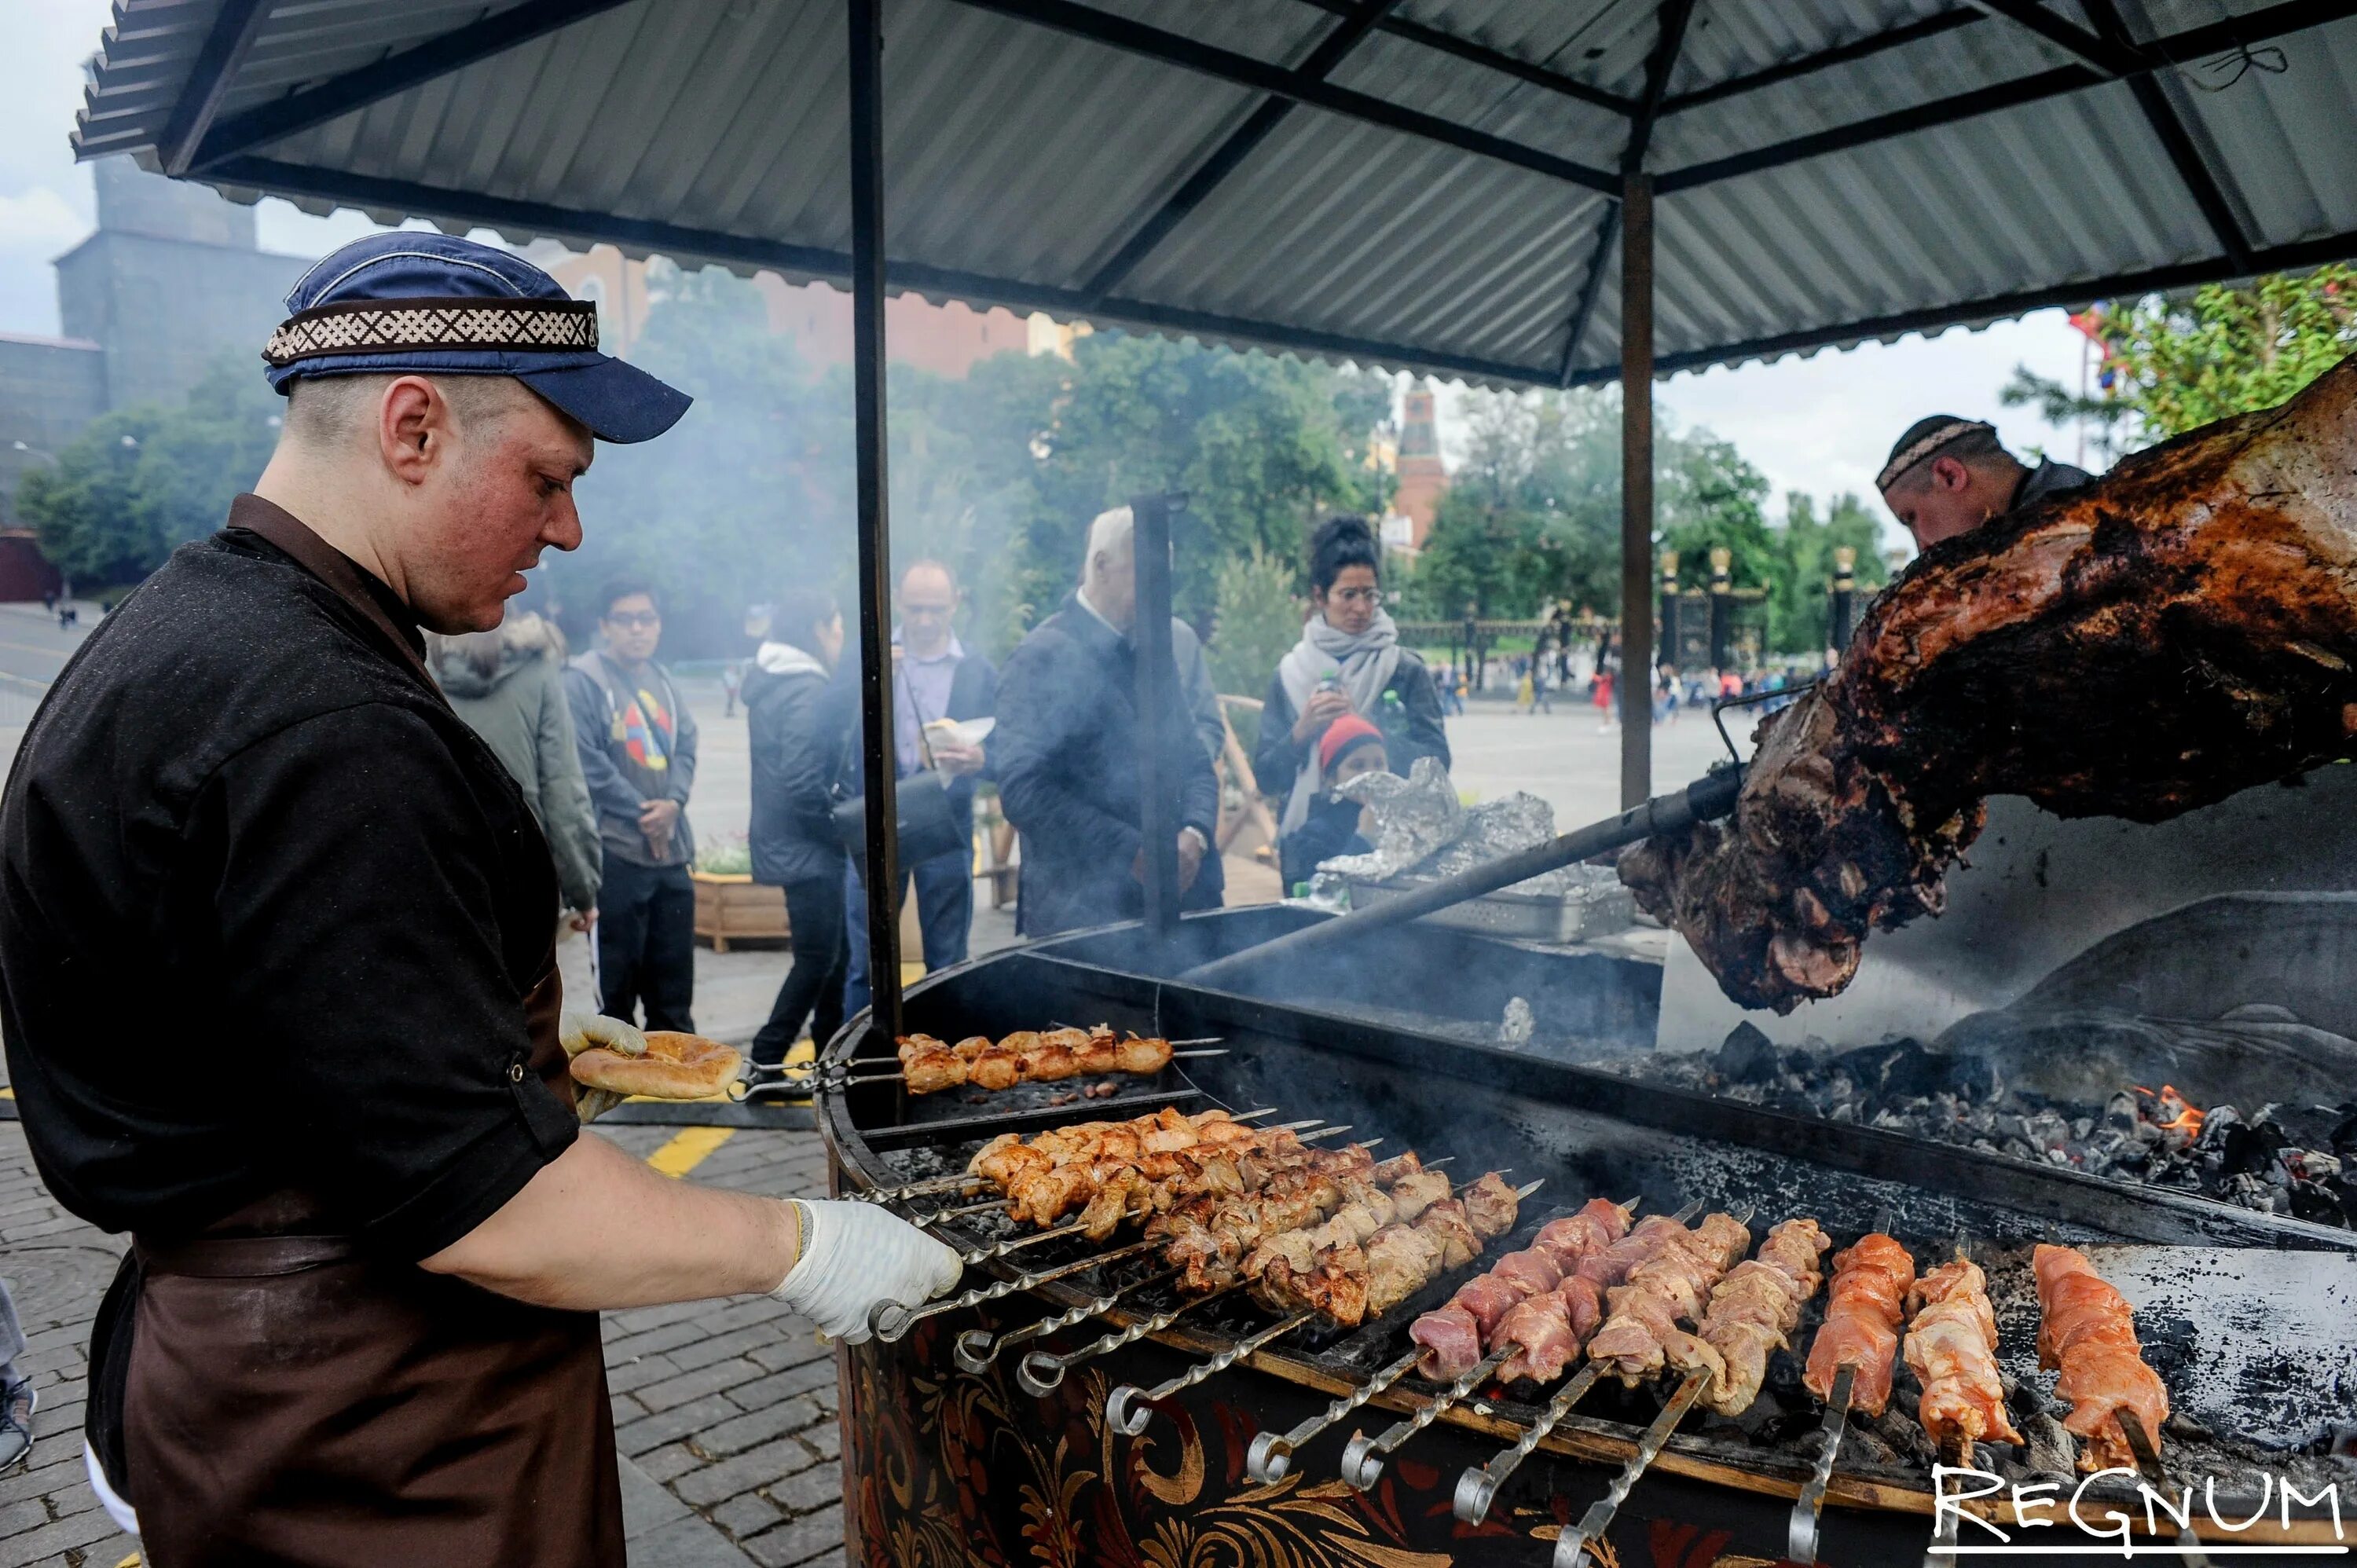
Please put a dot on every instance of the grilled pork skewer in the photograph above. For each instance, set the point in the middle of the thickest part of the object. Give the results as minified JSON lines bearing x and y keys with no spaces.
{"x":1952,"y":1349}
{"x":1850,"y":1361}
{"x":2087,"y":1331}
{"x":1670,"y":1288}
{"x":968,"y":1179}
{"x":929,"y":1065}
{"x":1753,"y":1308}
{"x":1522,"y":1310}
{"x":1442,"y":1233}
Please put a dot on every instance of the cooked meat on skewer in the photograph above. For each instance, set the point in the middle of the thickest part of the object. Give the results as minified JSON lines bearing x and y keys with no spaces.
{"x":1662,"y":1291}
{"x":1209,"y":1238}
{"x":2183,"y":628}
{"x":1753,"y":1312}
{"x":929,"y":1066}
{"x":1349,"y":1281}
{"x":2087,"y":1329}
{"x":1951,"y":1351}
{"x":1455,"y":1335}
{"x":1863,"y":1313}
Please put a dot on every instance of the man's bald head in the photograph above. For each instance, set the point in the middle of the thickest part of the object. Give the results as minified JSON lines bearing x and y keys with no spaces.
{"x":325,"y":412}
{"x":929,"y":602}
{"x":1109,"y":566}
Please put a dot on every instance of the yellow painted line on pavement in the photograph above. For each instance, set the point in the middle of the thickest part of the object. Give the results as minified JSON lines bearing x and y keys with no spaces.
{"x":690,"y":1148}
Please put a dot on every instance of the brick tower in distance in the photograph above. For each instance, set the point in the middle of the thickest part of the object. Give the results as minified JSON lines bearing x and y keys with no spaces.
{"x":1422,"y":479}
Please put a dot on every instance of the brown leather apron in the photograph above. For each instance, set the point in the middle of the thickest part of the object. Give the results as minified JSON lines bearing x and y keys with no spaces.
{"x":291,"y":1398}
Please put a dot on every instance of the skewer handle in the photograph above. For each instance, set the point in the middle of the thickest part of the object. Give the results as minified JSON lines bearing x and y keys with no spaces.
{"x":1801,"y":1534}
{"x":1130,"y":1422}
{"x":2147,"y":1461}
{"x":1041,"y":1374}
{"x":976,"y":1348}
{"x":1476,"y":1489}
{"x":1572,"y":1545}
{"x":1363,"y":1460}
{"x":1272,"y":1452}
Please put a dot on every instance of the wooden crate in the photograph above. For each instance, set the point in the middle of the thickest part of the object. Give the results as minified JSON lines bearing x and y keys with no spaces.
{"x":733,"y":908}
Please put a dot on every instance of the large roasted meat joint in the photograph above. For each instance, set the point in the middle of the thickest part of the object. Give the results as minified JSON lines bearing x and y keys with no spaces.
{"x":2182,"y":630}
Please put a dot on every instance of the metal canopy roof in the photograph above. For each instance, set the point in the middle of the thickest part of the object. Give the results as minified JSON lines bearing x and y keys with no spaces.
{"x":1428,"y":184}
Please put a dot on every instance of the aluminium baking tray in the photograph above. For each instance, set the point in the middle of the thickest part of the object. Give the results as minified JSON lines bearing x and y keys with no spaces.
{"x":1571,"y":916}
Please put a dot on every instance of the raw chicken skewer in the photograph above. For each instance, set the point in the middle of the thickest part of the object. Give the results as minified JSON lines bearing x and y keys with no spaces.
{"x":1753,"y":1308}
{"x":1952,"y":1349}
{"x":1850,"y":1360}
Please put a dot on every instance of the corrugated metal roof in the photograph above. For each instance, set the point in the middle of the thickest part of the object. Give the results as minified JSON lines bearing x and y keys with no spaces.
{"x":1021,"y":159}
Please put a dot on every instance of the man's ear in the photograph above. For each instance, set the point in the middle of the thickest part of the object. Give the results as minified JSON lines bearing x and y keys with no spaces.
{"x":413,"y":427}
{"x":1950,"y":474}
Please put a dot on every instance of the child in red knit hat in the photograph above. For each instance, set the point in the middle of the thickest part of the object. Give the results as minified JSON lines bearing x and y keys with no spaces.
{"x":1336,"y":826}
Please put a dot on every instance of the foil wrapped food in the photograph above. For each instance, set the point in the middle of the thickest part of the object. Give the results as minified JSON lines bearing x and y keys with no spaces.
{"x":1423,"y":833}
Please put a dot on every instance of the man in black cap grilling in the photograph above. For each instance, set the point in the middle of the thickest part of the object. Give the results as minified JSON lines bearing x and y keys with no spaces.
{"x":279,"y":991}
{"x":1947,"y":475}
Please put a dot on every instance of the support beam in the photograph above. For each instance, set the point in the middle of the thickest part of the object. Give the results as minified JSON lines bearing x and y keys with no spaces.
{"x":1239,"y":145}
{"x":1873,"y":44}
{"x":2338,"y":247}
{"x":2161,"y":116}
{"x":2032,"y":16}
{"x":438,"y":57}
{"x":1636,"y":491}
{"x":2179,"y":48}
{"x":1157,"y":705}
{"x":1465,"y":49}
{"x":878,"y":751}
{"x":226,"y":44}
{"x":697,"y":245}
{"x":1608,"y":234}
{"x":1243,"y":71}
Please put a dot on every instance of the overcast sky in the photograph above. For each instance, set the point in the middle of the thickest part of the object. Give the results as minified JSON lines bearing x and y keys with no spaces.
{"x":1821,"y":425}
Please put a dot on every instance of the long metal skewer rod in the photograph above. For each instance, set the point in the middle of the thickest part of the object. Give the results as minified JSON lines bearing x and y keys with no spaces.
{"x":933,"y":1185}
{"x":1039,"y":1374}
{"x":1363,"y":1458}
{"x":976,"y":1348}
{"x":890,"y":1321}
{"x":1956,"y":1454}
{"x":1801,"y":1534}
{"x":848,"y":1079}
{"x":1129,"y":1423}
{"x":1572,"y":1543}
{"x":1272,"y":1452}
{"x":1476,"y":1489}
{"x":2148,"y":1462}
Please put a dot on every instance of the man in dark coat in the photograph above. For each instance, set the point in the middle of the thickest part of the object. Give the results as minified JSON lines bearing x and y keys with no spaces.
{"x":1067,"y":757}
{"x":797,"y":735}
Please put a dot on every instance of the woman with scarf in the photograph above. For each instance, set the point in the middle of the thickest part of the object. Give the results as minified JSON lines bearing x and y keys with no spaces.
{"x":1349,"y":661}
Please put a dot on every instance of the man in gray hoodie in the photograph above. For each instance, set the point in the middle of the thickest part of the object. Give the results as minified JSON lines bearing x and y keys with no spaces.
{"x":637,"y":753}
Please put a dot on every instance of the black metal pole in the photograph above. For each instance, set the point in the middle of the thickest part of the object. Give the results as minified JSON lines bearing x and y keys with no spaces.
{"x":1636,"y":488}
{"x":1157,"y":676}
{"x":1705,"y":799}
{"x":875,"y":520}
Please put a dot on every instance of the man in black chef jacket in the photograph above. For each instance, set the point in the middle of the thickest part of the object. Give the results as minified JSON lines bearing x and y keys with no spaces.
{"x":277,"y":984}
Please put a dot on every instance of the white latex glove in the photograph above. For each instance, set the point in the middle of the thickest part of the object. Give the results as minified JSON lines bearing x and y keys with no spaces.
{"x":576,"y":1032}
{"x":856,"y":1255}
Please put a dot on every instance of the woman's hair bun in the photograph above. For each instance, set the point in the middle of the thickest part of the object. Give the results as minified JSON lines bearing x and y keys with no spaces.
{"x":1341,"y":540}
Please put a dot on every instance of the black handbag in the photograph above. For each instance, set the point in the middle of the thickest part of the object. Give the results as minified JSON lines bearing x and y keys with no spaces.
{"x":924,"y":827}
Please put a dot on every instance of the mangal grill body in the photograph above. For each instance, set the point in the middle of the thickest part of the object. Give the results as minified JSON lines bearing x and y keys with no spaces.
{"x":944,"y":1464}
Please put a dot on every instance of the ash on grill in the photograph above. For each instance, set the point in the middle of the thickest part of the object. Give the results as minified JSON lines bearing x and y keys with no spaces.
{"x":2300,"y":1160}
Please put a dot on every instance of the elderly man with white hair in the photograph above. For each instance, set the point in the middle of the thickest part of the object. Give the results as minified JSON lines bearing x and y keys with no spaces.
{"x":1070,"y":760}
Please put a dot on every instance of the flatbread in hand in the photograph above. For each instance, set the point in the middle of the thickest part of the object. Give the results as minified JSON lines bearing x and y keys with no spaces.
{"x":676,"y":1067}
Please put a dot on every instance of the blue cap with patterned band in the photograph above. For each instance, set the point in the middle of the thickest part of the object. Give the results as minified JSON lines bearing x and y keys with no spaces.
{"x":436,"y":305}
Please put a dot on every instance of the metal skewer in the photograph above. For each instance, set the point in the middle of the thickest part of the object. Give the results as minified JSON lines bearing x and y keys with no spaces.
{"x":846,"y":1080}
{"x":1801,"y":1531}
{"x":1572,"y":1543}
{"x":1272,"y":1452}
{"x":890,"y":1321}
{"x":2148,"y":1464}
{"x":1956,"y":1454}
{"x":1039,"y":1374}
{"x":1130,"y":1423}
{"x":1801,"y":1534}
{"x":1363,"y":1458}
{"x":1476,"y":1487}
{"x":976,"y":1348}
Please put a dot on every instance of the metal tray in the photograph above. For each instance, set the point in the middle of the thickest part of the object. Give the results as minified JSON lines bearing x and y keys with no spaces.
{"x":1571,"y":916}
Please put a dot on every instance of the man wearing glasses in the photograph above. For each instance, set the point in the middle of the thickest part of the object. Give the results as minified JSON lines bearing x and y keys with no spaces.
{"x":638,"y":755}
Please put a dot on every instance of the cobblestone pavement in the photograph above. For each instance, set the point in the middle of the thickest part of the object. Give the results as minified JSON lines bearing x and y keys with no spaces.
{"x":724,"y":1412}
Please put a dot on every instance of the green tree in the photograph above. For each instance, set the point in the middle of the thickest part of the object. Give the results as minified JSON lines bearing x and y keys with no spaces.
{"x":1258,"y":621}
{"x":1532,"y":514}
{"x":1798,"y":611}
{"x":2179,"y":363}
{"x":142,"y":481}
